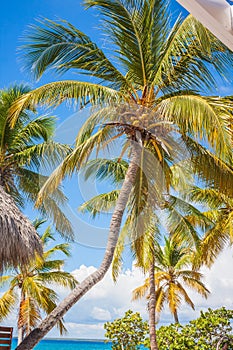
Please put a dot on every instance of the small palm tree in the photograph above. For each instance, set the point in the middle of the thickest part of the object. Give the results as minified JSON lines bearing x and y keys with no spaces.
{"x":23,"y":151}
{"x":29,"y":287}
{"x":172,"y":275}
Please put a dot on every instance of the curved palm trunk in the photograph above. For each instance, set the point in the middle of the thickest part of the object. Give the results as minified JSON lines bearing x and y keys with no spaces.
{"x":176,"y":316}
{"x":49,"y":322}
{"x":152,"y":300}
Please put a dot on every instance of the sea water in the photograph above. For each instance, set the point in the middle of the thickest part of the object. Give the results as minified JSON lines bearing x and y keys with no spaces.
{"x":49,"y":344}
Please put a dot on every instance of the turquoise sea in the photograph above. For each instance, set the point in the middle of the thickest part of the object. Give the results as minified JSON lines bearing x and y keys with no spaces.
{"x":69,"y":345}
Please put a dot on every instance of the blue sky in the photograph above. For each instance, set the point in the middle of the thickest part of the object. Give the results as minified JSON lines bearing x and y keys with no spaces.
{"x":106,"y":301}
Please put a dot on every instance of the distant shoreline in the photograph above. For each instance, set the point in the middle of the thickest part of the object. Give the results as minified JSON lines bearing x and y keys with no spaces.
{"x":74,"y":339}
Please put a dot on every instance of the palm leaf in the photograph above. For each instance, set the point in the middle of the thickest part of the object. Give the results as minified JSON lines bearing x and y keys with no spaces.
{"x":29,"y":315}
{"x":7,"y":303}
{"x":102,"y":169}
{"x":62,"y":46}
{"x":221,"y":174}
{"x":102,"y":203}
{"x":141,"y":291}
{"x":130,"y":27}
{"x":53,"y":94}
{"x":204,"y":118}
{"x":61,"y":278}
{"x":74,"y":161}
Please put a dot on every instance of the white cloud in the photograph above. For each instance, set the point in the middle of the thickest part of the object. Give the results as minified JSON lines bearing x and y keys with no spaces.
{"x":116,"y":298}
{"x":107,"y":300}
{"x":101,"y":314}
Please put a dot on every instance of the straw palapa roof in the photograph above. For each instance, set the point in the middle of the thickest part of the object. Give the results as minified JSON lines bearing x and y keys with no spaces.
{"x":19,"y":240}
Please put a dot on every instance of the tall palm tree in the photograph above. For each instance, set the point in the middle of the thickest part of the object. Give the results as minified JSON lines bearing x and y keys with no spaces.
{"x":154,"y":80}
{"x":29,"y":286}
{"x":24,"y":149}
{"x":172,"y":274}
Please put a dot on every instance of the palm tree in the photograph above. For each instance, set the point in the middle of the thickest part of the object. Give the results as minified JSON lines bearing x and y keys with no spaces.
{"x":29,"y":286}
{"x":154,"y":81}
{"x":179,"y":214}
{"x":23,"y":151}
{"x":172,"y":274}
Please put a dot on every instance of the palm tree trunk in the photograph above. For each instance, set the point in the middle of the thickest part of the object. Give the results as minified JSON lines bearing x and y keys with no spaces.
{"x":20,"y":325}
{"x":20,"y":335}
{"x":176,"y":316}
{"x":49,"y":322}
{"x":152,"y":300}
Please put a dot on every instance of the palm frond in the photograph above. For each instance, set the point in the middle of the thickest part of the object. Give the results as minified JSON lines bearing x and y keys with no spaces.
{"x":42,"y":154}
{"x":141,"y":291}
{"x":37,"y":129}
{"x":184,"y":294}
{"x":61,"y":46}
{"x":221,"y":174}
{"x":117,"y":257}
{"x":204,"y":118}
{"x":102,"y":169}
{"x":131,"y":27}
{"x":7,"y":303}
{"x":181,"y":228}
{"x":51,"y":265}
{"x":161,"y":296}
{"x":29,"y":314}
{"x":62,"y":247}
{"x":196,"y":285}
{"x":74,"y":161}
{"x":53,"y":94}
{"x":210,"y":197}
{"x":103,"y":203}
{"x":63,"y":279}
{"x":185,"y":56}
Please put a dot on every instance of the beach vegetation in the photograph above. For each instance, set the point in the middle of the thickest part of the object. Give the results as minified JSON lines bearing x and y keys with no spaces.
{"x":25,"y":150}
{"x":32,"y":288}
{"x":154,"y":87}
{"x":212,"y":330}
{"x":128,"y":332}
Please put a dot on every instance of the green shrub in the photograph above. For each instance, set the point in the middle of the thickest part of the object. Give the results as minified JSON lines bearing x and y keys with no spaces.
{"x":211,"y":331}
{"x":127,"y":333}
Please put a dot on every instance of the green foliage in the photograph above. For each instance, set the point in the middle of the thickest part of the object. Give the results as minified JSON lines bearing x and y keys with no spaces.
{"x":25,"y":149}
{"x":126,"y":333}
{"x":33,"y":288}
{"x":211,"y":331}
{"x":173,"y":275}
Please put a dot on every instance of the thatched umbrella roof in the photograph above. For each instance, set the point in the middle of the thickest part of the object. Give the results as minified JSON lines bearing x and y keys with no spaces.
{"x":19,"y":240}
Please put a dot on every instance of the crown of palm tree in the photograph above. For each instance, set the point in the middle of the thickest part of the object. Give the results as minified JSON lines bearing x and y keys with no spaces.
{"x":24,"y":151}
{"x":172,"y":275}
{"x":155,"y":66}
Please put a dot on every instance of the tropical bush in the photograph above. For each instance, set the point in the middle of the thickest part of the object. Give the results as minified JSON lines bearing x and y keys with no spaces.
{"x":211,"y":331}
{"x":126,"y":333}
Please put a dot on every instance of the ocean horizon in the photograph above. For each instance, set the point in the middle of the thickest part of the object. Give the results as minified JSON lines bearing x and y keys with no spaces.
{"x":68,"y":344}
